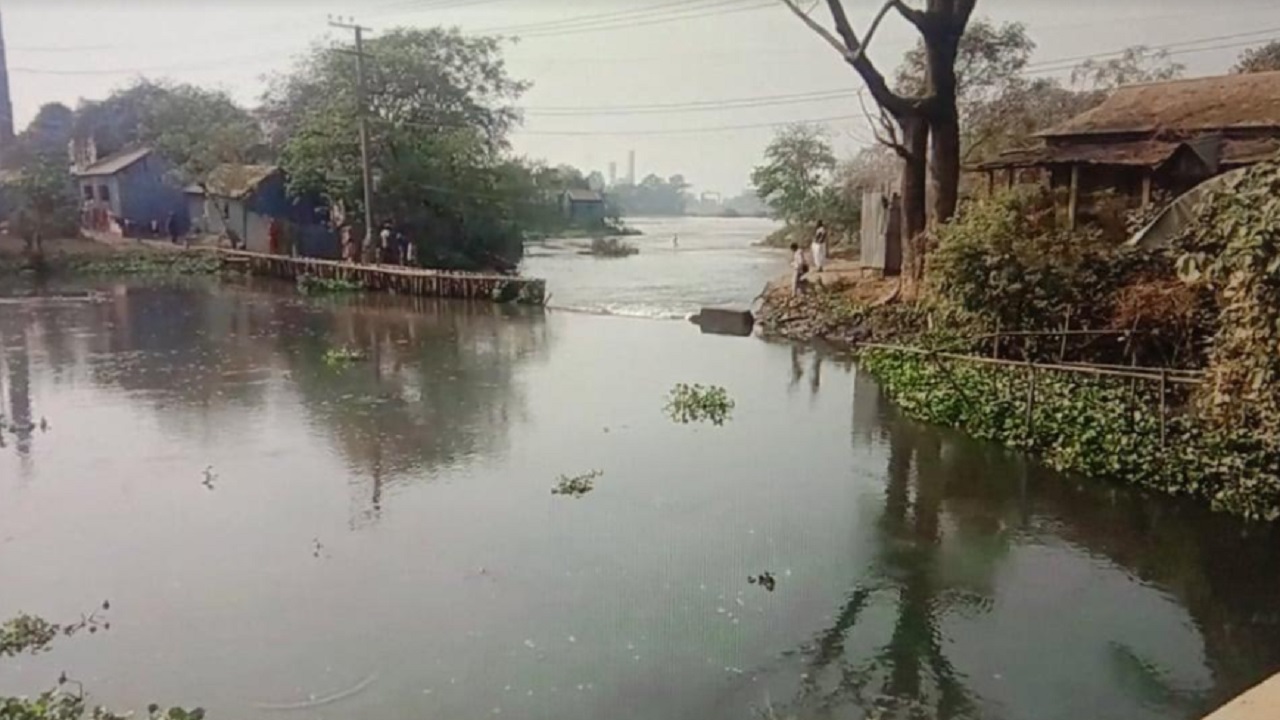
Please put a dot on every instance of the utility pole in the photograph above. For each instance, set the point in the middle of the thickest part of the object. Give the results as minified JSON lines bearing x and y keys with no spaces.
{"x":362,"y":112}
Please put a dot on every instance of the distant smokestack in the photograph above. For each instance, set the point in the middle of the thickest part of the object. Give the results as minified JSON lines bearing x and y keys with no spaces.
{"x":631,"y":167}
{"x":613,"y":174}
{"x":6,"y":103}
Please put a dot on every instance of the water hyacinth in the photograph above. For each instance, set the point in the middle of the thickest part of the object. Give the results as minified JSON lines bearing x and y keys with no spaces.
{"x":696,"y":403}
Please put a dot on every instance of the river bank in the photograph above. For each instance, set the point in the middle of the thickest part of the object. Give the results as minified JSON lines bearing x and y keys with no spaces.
{"x":1145,"y":433}
{"x":79,"y":256}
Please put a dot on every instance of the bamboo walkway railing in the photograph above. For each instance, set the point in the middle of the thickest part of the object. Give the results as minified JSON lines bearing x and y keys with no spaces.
{"x":393,"y":278}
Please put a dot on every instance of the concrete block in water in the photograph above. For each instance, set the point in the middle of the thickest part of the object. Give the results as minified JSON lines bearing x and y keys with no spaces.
{"x":723,"y":321}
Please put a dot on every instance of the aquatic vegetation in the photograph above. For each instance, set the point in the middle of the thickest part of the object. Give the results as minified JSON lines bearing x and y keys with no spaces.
{"x":578,"y":485}
{"x":613,"y":247}
{"x":1103,"y":428}
{"x":696,"y":403}
{"x":209,"y":477}
{"x":31,"y":634}
{"x":765,"y":580}
{"x":343,"y":357}
{"x":312,"y":285}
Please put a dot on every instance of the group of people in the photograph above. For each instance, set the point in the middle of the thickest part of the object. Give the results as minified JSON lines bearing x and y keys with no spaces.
{"x":391,"y":247}
{"x":800,"y":262}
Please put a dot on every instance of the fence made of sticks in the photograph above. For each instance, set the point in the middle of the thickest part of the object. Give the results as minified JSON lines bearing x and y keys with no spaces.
{"x":1167,"y":380}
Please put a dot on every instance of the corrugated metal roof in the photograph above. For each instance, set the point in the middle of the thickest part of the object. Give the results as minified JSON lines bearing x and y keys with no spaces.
{"x":235,"y":181}
{"x":113,"y":164}
{"x":1198,"y":105}
{"x":577,"y":195}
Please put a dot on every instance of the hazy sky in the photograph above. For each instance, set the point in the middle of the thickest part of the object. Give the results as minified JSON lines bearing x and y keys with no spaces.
{"x":598,"y":67}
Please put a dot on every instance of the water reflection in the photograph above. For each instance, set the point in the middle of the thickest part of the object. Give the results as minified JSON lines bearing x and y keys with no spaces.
{"x":957,"y":517}
{"x":438,"y":389}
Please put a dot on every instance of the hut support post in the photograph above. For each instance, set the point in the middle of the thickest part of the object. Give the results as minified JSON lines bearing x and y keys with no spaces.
{"x":1146,"y":189}
{"x":1073,"y":198}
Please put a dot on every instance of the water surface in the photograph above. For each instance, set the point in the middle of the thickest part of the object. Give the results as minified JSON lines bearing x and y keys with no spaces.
{"x":716,"y":264}
{"x":389,"y":527}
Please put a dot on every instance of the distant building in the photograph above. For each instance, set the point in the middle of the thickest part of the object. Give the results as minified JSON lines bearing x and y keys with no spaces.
{"x":1167,"y":136}
{"x":127,"y":192}
{"x":242,"y":200}
{"x":583,"y":208}
{"x":631,"y":168}
{"x":6,"y":103}
{"x":613,"y":174}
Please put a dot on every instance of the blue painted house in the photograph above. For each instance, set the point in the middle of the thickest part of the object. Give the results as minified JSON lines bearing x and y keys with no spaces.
{"x":242,"y":200}
{"x":583,"y":208}
{"x":128,"y":193}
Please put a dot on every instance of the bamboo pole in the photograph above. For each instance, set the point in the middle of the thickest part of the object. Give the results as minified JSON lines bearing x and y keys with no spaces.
{"x":1164,"y":406}
{"x":1031,"y":397}
{"x":1098,"y":370}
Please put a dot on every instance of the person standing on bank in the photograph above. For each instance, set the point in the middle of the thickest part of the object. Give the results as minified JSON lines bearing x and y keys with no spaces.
{"x":819,"y":247}
{"x":799,"y":269}
{"x":172,"y":227}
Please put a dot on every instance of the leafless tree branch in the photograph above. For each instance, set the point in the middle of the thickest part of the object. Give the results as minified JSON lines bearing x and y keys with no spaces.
{"x":887,"y":135}
{"x":850,"y":48}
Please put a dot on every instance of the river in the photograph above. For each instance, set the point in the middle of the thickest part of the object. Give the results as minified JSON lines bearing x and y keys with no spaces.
{"x":714,"y":264}
{"x":281,"y":536}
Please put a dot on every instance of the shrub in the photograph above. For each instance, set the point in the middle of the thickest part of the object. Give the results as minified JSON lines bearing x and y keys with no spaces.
{"x":613,"y":247}
{"x":1006,"y":261}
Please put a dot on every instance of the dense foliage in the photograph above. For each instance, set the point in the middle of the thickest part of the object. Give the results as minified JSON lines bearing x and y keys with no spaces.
{"x":1233,"y":249}
{"x":194,"y":128}
{"x":1103,"y":428}
{"x":440,"y":105}
{"x":1006,"y":260}
{"x":43,"y":202}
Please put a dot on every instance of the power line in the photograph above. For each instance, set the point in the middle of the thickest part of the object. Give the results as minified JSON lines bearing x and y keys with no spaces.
{"x":661,"y":8}
{"x":726,"y":103}
{"x":627,"y":25}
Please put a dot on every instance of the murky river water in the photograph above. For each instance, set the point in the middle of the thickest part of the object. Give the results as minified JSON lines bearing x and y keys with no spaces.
{"x":712,"y":263}
{"x":380,"y":541}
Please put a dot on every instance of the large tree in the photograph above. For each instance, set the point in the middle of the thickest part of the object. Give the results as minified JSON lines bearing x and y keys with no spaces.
{"x":798,"y":164}
{"x":194,"y":128}
{"x":440,"y":109}
{"x":1264,"y":58}
{"x":926,"y":126}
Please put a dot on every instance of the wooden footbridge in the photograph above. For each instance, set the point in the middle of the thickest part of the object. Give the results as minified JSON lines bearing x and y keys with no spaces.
{"x":393,"y":278}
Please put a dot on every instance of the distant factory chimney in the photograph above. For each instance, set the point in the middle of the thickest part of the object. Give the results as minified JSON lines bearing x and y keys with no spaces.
{"x":631,"y":167}
{"x":613,"y":174}
{"x":6,"y":104}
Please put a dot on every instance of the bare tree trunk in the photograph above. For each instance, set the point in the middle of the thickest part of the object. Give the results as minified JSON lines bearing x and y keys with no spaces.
{"x":942,"y":33}
{"x":915,"y":139}
{"x":944,"y":170}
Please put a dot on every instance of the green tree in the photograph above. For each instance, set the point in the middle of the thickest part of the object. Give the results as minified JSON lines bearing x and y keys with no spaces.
{"x":653,"y":196}
{"x":1265,"y":58}
{"x":194,"y":128}
{"x":45,"y":203}
{"x":440,"y":111}
{"x":798,"y":166}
